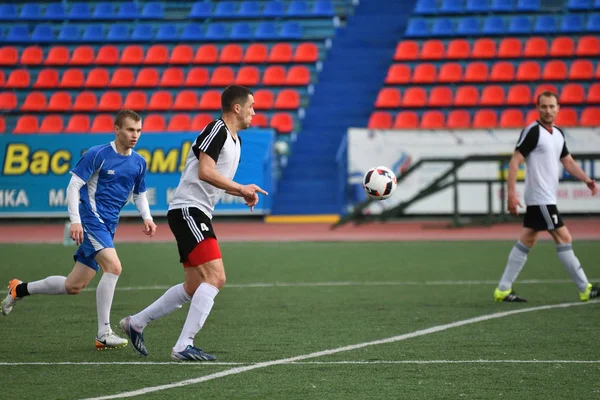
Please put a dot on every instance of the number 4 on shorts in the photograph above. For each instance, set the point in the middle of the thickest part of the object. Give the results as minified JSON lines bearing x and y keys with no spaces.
{"x":554,"y":218}
{"x":204,"y":228}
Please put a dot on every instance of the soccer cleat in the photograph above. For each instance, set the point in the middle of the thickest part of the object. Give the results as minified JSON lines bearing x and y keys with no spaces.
{"x":11,"y":298}
{"x":136,"y":337}
{"x":192,"y":353}
{"x":509,"y":296}
{"x":591,"y":292}
{"x":110,"y":341}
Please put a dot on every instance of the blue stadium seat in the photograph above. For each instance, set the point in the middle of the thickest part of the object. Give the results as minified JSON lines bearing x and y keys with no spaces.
{"x":80,"y":11}
{"x":597,"y":5}
{"x":42,"y":33}
{"x":93,"y":33}
{"x":529,"y":5}
{"x":143,"y":33}
{"x":417,"y":28}
{"x":201,"y":9}
{"x":127,"y":11}
{"x":291,"y":30}
{"x":249,"y":9}
{"x":442,"y":27}
{"x":580,"y":5}
{"x":68,"y":33}
{"x":103,"y":11}
{"x":545,"y":24}
{"x":593,"y":23}
{"x":519,"y":25}
{"x":493,"y":26}
{"x":452,"y":7}
{"x":118,"y":33}
{"x":274,"y":8}
{"x":225,"y":9}
{"x":502,"y":5}
{"x":468,"y":26}
{"x":572,"y":23}
{"x":426,"y":7}
{"x":167,"y":33}
{"x":297,"y":8}
{"x":55,"y":12}
{"x":153,"y":10}
{"x":241,"y":31}
{"x":266,"y":30}
{"x":18,"y":33}
{"x":30,"y":12}
{"x":194,"y":32}
{"x":323,"y":8}
{"x":8,"y":12}
{"x":477,"y":6}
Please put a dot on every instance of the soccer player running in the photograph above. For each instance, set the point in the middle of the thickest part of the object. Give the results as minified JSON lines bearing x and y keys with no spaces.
{"x":101,"y":183}
{"x":542,"y":145}
{"x":209,"y":171}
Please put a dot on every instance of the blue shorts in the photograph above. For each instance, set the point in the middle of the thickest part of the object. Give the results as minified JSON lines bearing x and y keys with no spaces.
{"x":96,"y":236}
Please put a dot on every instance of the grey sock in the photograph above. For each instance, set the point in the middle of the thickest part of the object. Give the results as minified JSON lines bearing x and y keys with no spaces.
{"x":572,"y":265}
{"x":516,"y":261}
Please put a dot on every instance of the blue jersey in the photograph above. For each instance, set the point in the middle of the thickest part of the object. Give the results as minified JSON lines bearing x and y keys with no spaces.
{"x":110,"y":179}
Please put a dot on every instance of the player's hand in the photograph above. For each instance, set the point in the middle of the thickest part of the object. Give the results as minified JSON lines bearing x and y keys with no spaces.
{"x":513,"y":203}
{"x":149,"y":227}
{"x":251,"y":201}
{"x":593,"y":186}
{"x":248,"y":191}
{"x":76,"y":233}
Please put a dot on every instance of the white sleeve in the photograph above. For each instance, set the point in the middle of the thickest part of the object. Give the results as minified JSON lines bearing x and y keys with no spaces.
{"x":73,"y":189}
{"x":141,"y":203}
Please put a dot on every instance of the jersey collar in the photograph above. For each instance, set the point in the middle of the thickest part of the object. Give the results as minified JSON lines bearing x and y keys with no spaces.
{"x":114,"y":147}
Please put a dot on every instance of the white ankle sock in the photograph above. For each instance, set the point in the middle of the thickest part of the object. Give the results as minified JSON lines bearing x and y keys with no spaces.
{"x":202,"y":303}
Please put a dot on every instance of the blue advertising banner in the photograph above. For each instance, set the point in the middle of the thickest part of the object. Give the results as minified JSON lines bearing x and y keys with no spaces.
{"x":35,"y":171}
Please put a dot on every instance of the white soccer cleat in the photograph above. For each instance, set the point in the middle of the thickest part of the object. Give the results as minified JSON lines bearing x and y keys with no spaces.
{"x":11,"y":298}
{"x":110,"y":341}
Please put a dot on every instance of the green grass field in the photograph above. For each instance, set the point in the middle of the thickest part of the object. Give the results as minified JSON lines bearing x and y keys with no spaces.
{"x":292,"y":299}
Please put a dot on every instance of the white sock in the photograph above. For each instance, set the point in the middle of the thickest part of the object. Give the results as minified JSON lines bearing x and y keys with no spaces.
{"x":202,"y":303}
{"x":173,"y":299}
{"x":516,"y":261}
{"x":104,"y":298}
{"x":50,"y":285}
{"x":571,"y":263}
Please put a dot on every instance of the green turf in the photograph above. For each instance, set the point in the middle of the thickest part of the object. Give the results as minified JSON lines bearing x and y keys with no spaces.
{"x":374,"y":291}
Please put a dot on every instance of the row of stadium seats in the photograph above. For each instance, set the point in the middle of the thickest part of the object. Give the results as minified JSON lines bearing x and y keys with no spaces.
{"x":497,"y":25}
{"x":255,"y":53}
{"x":561,"y":46}
{"x":155,"y":10}
{"x":492,"y":95}
{"x":274,"y":75}
{"x":436,"y":7}
{"x":500,"y":71}
{"x":481,"y":119}
{"x":104,"y":123}
{"x":286,"y":99}
{"x":216,"y":31}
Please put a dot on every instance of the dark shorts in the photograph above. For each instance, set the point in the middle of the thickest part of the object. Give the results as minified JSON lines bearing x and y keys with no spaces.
{"x":543,"y":218}
{"x":190,"y":226}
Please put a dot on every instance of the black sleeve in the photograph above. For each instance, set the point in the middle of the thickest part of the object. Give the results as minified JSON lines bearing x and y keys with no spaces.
{"x":528,"y":140}
{"x":565,"y":150}
{"x":211,"y":140}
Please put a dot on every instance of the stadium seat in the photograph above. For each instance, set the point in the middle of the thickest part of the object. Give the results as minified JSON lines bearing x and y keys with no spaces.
{"x":34,"y":101}
{"x":458,"y":119}
{"x":274,"y":75}
{"x":297,"y":75}
{"x":543,"y":88}
{"x":259,"y":120}
{"x":588,"y":46}
{"x":210,"y":100}
{"x":58,"y":55}
{"x":231,"y":53}
{"x":566,"y":117}
{"x":511,"y":118}
{"x":502,"y":71}
{"x":107,"y":55}
{"x":247,"y":76}
{"x":2,"y":78}
{"x":476,"y":72}
{"x":280,"y":53}
{"x":241,"y":31}
{"x":466,"y":96}
{"x":580,"y":5}
{"x":562,"y":46}
{"x":42,"y":33}
{"x":555,"y":70}
{"x":97,"y":78}
{"x":417,"y":28}
{"x":536,"y":47}
{"x":266,"y":30}
{"x":2,"y":124}
{"x":85,"y":101}
{"x":593,"y":96}
{"x":18,"y":78}
{"x":398,"y":74}
{"x":110,"y":101}
{"x":494,"y":25}
{"x":528,"y":71}
{"x":82,"y":55}
{"x":458,"y":49}
{"x":32,"y":55}
{"x":545,"y":24}
{"x":60,"y":102}
{"x":257,"y":53}
{"x":581,"y":70}
{"x":571,"y":24}
{"x":55,"y":12}
{"x":118,"y":33}
{"x":68,"y":32}
{"x":593,"y":23}
{"x":519,"y":25}
{"x":432,"y":49}
{"x":201,"y":10}
{"x":388,"y":98}
{"x":152,"y":10}
{"x":509,"y":48}
{"x":157,"y":54}
{"x":440,"y":96}
{"x":132,"y":55}
{"x":380,"y":120}
{"x":529,"y":5}
{"x":26,"y":124}
{"x":186,"y":100}
{"x":450,"y":73}
{"x":443,"y":27}
{"x":167,"y":32}
{"x":179,"y":123}
{"x":155,"y":123}
{"x":492,"y":95}
{"x":291,"y":30}
{"x":72,"y":78}
{"x":590,"y":116}
{"x":406,"y":120}
{"x":103,"y":124}
{"x":136,"y":100}
{"x":424,"y":73}
{"x":193,"y":32}
{"x":484,"y":48}
{"x":468,"y":26}
{"x":598,"y":71}
{"x":426,"y":7}
{"x":306,"y":53}
{"x":249,"y":9}
{"x":206,"y":54}
{"x":122,"y":78}
{"x":196,"y":77}
{"x":572,"y":93}
{"x":161,"y":100}
{"x":142,"y":33}
{"x":414,"y":97}
{"x":46,"y":79}
{"x":30,"y":12}
{"x":18,"y":34}
{"x":147,"y":77}
{"x":287,"y":99}
{"x":172,"y":77}
{"x":78,"y":124}
{"x":432,"y":120}
{"x":282,"y":122}
{"x":181,"y":54}
{"x":518,"y":95}
{"x":200,"y":121}
{"x":222,"y":76}
{"x":52,"y":124}
{"x":485,"y":119}
{"x":407,"y":50}
{"x":263,"y":99}
{"x":532,"y":115}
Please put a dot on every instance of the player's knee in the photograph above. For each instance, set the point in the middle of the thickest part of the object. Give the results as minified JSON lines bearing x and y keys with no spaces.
{"x":74,"y":287}
{"x":112,"y":267}
{"x":219,"y":280}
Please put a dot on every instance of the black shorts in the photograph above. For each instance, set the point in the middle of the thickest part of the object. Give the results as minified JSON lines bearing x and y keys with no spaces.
{"x":543,"y":218}
{"x":190,"y":226}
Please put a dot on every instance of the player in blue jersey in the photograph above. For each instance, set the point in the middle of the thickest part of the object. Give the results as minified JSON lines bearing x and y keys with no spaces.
{"x":101,"y":184}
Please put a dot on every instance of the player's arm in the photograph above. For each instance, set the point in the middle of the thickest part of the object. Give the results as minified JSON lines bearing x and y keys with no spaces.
{"x":141,"y":201}
{"x":207,"y":172}
{"x":574,"y":169}
{"x":513,"y":169}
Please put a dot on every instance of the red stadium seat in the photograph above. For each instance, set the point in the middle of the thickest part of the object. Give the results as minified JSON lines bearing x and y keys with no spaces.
{"x":433,"y":120}
{"x":511,"y":118}
{"x":518,"y":95}
{"x":136,"y":100}
{"x":9,"y":55}
{"x":1,"y":78}
{"x":280,"y":53}
{"x":247,"y":76}
{"x":186,"y":100}
{"x":593,"y":94}
{"x":562,"y":46}
{"x":598,"y":71}
{"x":179,"y":123}
{"x":528,"y":71}
{"x":502,"y":71}
{"x":132,"y":55}
{"x":432,"y":49}
{"x":588,"y":46}
{"x":484,"y":48}
{"x":458,"y":49}
{"x":206,"y":54}
{"x":107,"y":55}
{"x":58,"y":55}
{"x":536,"y":47}
{"x":172,"y":77}
{"x":424,"y":73}
{"x":97,"y":78}
{"x":555,"y":70}
{"x":532,"y":115}
{"x":581,"y":70}
{"x":60,"y":101}
{"x":388,"y":98}
{"x":155,"y":123}
{"x":18,"y":78}
{"x":590,"y":116}
{"x":458,"y":119}
{"x":181,"y":54}
{"x":306,"y":53}
{"x":147,"y":77}
{"x":47,"y":79}
{"x":32,"y":55}
{"x":210,"y":100}
{"x":407,"y":50}
{"x":257,"y":53}
{"x":476,"y":72}
{"x":510,"y":48}
{"x":122,"y":78}
{"x":52,"y":124}
{"x":2,"y":124}
{"x":259,"y":120}
{"x":222,"y":76}
{"x":398,"y":74}
{"x":110,"y":101}
{"x":572,"y":93}
{"x":161,"y":100}
{"x":450,"y":73}
{"x":263,"y":99}
{"x":466,"y":96}
{"x":380,"y":120}
{"x":35,"y":101}
{"x":78,"y":124}
{"x":440,"y":96}
{"x":287,"y":99}
{"x":27,"y":124}
{"x":85,"y":101}
{"x":72,"y":78}
{"x":298,"y":75}
{"x":197,"y":76}
{"x":282,"y":122}
{"x":566,"y":117}
{"x":82,"y":55}
{"x":414,"y":97}
{"x":406,"y":120}
{"x":157,"y":54}
{"x":103,"y":124}
{"x":231,"y":54}
{"x":274,"y":75}
{"x":543,"y":88}
{"x":485,"y":119}
{"x":492,"y":95}
{"x":200,"y":121}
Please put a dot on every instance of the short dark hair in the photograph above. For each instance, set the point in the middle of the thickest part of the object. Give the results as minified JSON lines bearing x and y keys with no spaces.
{"x":123,"y":114}
{"x":546,"y":93}
{"x":234,"y":94}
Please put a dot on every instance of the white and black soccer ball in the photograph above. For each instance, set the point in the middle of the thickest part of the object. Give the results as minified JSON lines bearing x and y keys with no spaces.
{"x":379,"y":183}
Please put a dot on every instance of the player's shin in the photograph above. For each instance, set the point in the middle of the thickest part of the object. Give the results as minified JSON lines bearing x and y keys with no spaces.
{"x":202,"y":303}
{"x":49,"y":285}
{"x":173,"y":299}
{"x":571,"y":263}
{"x":516,"y":261}
{"x":104,"y":298}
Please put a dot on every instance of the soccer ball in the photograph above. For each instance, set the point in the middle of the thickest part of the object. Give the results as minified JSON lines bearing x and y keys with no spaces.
{"x":379,"y":183}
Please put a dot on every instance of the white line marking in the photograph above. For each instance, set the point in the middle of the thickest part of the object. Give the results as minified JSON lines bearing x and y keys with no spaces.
{"x":422,"y":332}
{"x":119,"y":363}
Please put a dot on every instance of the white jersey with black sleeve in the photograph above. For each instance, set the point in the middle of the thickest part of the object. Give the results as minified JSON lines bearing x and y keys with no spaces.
{"x":543,"y":150}
{"x":216,"y":142}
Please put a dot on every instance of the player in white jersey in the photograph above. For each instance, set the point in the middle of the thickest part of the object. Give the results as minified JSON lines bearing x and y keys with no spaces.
{"x":543,"y":148}
{"x":101,"y":183}
{"x":210,"y":168}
